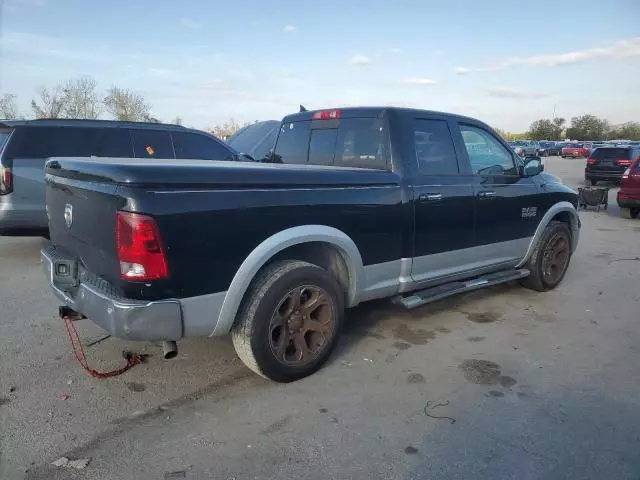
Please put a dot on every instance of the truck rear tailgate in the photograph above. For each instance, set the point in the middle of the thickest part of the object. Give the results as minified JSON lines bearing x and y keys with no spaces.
{"x":82,"y":221}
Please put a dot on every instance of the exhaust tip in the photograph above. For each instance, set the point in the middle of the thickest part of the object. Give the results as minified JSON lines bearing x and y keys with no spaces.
{"x":169,"y":350}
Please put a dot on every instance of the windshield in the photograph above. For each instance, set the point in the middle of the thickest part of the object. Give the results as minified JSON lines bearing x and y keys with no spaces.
{"x":4,"y":136}
{"x":256,"y":139}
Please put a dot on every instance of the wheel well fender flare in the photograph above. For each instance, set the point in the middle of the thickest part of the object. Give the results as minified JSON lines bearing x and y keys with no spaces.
{"x":556,"y":210}
{"x":276,"y":243}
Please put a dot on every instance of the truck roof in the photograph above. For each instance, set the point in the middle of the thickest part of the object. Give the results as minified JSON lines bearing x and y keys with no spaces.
{"x":372,"y":112}
{"x":72,"y":122}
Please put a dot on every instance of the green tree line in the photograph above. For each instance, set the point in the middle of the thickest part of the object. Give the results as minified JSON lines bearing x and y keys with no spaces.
{"x":583,"y":127}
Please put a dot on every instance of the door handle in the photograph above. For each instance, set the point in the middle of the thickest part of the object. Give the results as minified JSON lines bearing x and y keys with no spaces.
{"x":487,"y":194}
{"x":429,"y":197}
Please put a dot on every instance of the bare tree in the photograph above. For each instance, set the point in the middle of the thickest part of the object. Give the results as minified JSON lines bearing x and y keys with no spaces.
{"x":127,"y":105}
{"x":226,"y":129}
{"x":8,"y":107}
{"x":80,"y":99}
{"x":51,"y":103}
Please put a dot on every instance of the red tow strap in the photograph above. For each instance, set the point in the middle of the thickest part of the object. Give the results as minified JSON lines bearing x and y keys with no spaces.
{"x":133,"y":359}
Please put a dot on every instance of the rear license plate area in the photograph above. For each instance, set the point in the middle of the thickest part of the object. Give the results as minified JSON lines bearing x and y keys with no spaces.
{"x":65,"y":272}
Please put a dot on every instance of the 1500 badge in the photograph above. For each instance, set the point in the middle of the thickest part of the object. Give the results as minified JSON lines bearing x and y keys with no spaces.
{"x":529,"y":212}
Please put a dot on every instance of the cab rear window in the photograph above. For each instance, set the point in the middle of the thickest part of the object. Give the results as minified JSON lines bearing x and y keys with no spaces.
{"x":349,"y":142}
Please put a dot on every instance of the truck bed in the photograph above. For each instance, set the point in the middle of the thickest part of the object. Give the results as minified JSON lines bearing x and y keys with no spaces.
{"x":204,"y":208}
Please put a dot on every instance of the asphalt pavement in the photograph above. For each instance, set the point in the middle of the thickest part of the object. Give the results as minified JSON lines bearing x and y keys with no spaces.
{"x":496,"y":384}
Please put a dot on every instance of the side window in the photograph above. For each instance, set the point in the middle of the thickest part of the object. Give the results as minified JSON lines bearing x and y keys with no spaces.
{"x":435,"y":152}
{"x":152,"y":143}
{"x":44,"y":142}
{"x":322,"y":146}
{"x":196,"y":146}
{"x":115,"y":142}
{"x":486,"y":153}
{"x":361,"y":144}
{"x":292,"y":145}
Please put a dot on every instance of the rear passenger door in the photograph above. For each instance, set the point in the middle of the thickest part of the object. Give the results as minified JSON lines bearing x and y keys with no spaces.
{"x":443,"y":201}
{"x":198,"y":146}
{"x":507,"y":205}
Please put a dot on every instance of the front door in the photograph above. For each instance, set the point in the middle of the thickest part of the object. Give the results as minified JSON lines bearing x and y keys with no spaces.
{"x":505,"y":202}
{"x":443,"y":200}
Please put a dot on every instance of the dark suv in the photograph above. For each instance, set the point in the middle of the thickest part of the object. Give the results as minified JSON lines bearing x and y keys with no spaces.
{"x":609,"y":163}
{"x":26,"y":144}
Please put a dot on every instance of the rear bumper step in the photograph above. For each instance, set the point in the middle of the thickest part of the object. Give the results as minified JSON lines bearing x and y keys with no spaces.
{"x":121,"y":317}
{"x":428,"y":295}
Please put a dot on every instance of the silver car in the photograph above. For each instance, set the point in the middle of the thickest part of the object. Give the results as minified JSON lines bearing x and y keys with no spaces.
{"x":25,"y":145}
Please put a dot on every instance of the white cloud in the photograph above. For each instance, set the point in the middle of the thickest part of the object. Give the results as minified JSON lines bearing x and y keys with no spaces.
{"x":461,"y":71}
{"x":17,"y":5}
{"x":621,"y":49}
{"x":395,"y":50}
{"x":188,"y":23}
{"x":289,"y":29}
{"x":422,"y":81}
{"x":359,"y":60}
{"x":508,"y":92}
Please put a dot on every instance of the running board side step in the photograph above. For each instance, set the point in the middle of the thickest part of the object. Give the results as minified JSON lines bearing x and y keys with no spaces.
{"x":428,"y":295}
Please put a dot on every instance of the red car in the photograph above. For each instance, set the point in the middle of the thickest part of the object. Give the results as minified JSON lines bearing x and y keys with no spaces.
{"x":629,"y":193}
{"x":576,"y":150}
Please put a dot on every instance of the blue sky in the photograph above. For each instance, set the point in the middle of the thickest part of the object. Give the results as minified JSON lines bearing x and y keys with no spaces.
{"x":505,"y":62}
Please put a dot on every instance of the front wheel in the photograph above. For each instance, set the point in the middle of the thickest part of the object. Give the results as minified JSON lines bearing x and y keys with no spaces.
{"x":290,"y":321}
{"x":550,"y":258}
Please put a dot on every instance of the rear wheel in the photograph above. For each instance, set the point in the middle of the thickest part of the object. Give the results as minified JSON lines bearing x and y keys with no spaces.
{"x":630,"y":212}
{"x":289,"y":321}
{"x":550,"y":258}
{"x":591,"y":181}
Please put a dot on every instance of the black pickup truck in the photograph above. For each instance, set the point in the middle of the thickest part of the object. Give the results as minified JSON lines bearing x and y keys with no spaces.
{"x":354,"y":204}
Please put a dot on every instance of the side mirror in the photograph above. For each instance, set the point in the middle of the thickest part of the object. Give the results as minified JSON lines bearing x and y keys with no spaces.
{"x":532,"y":167}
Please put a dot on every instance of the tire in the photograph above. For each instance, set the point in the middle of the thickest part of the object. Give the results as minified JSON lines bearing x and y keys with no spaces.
{"x":593,"y":182}
{"x":563,"y":156}
{"x":630,"y":212}
{"x":538,"y":280}
{"x":274,"y":289}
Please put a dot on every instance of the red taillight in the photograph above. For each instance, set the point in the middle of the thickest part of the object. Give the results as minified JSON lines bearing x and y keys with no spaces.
{"x":327,"y":115}
{"x":591,"y":161}
{"x":6,"y":180}
{"x":140,"y":249}
{"x":623,"y":162}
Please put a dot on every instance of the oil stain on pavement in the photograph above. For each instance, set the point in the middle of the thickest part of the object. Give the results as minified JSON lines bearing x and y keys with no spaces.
{"x":475,"y":339}
{"x":415,"y":337}
{"x":402,"y":345}
{"x":485,"y":372}
{"x":136,"y":387}
{"x":415,"y":378}
{"x":483,"y":317}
